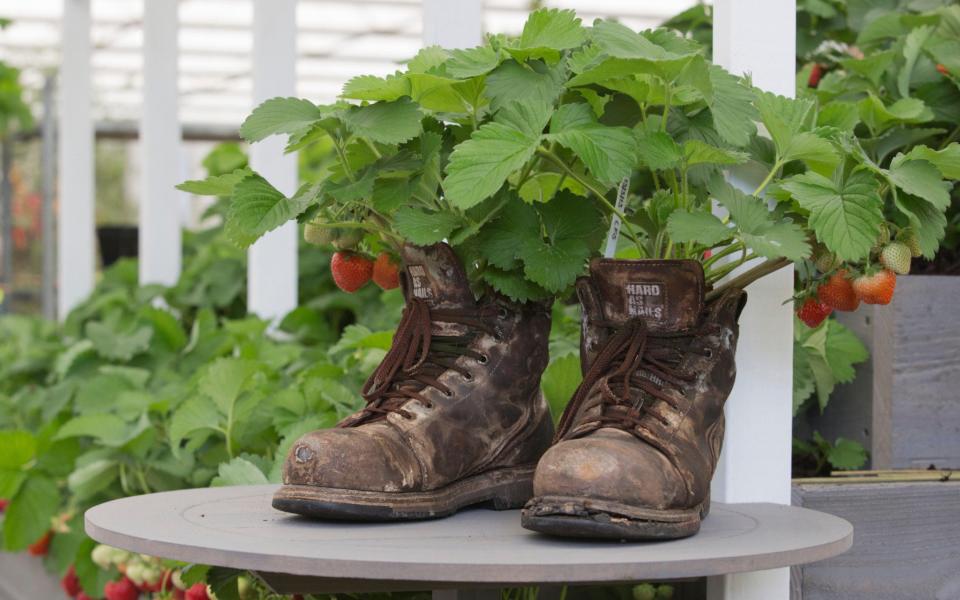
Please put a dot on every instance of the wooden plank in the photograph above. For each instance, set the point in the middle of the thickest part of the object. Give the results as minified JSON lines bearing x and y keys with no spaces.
{"x":906,"y":541}
{"x":904,"y":404}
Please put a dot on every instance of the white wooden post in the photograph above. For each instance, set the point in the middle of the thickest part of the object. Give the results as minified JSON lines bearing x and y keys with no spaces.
{"x":272,"y":261}
{"x":759,"y":37}
{"x":449,"y":24}
{"x":160,"y":252}
{"x":75,"y":245}
{"x":455,"y":24}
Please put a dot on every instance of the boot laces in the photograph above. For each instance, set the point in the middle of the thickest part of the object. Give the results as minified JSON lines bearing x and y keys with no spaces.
{"x":633,"y":363}
{"x":417,"y":357}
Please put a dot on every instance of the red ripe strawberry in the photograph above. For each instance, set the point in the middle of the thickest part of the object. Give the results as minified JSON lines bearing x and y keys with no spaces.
{"x":876,"y":288}
{"x":942,"y":69}
{"x":3,"y":504}
{"x":71,"y":583}
{"x":350,"y":271}
{"x":41,"y":546}
{"x":197,"y":591}
{"x":121,"y":590}
{"x":896,"y":257}
{"x":813,"y":312}
{"x":838,"y":293}
{"x":386,"y":272}
{"x":815,"y":74}
{"x":707,"y":254}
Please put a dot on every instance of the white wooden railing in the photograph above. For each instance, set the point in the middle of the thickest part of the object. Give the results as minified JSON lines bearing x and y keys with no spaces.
{"x":750,"y":36}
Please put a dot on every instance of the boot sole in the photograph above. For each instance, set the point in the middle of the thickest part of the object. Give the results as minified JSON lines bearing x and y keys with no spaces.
{"x":500,"y":489}
{"x":599,"y":519}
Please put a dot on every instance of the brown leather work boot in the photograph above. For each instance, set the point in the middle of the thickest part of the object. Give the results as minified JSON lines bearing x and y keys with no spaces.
{"x":454,"y":413}
{"x":638,"y":443}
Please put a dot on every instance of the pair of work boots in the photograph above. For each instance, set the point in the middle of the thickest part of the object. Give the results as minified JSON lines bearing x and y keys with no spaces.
{"x":455,"y":415}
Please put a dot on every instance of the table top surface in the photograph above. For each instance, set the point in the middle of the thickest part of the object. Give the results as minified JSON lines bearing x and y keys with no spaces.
{"x":236,"y":527}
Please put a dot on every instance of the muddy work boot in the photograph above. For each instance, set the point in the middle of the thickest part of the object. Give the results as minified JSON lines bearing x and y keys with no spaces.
{"x":454,"y":413}
{"x":637,"y":445}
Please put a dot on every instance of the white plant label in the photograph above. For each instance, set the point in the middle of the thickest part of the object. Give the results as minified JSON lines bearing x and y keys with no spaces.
{"x":614,"y":235}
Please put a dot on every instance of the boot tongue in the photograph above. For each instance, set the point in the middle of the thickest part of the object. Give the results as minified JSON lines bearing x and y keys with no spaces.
{"x":667,"y":294}
{"x":434,"y":274}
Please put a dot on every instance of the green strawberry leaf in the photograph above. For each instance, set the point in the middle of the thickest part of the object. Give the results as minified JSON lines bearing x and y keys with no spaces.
{"x":385,"y":122}
{"x":554,"y":265}
{"x":513,"y":285}
{"x":608,"y":152}
{"x":257,"y":207}
{"x":847,"y":455}
{"x":29,"y":513}
{"x":697,"y":152}
{"x":372,"y":88}
{"x":423,"y":228}
{"x":472,"y":62}
{"x":479,"y":166}
{"x":533,"y":84}
{"x":216,"y":185}
{"x":428,"y":59}
{"x":920,"y":178}
{"x":928,"y":222}
{"x":845,"y":217}
{"x":912,"y":48}
{"x":947,"y":160}
{"x":239,"y":471}
{"x":546,"y":32}
{"x":880,"y":117}
{"x":280,"y":115}
{"x":657,"y":150}
{"x":701,"y":227}
{"x":732,"y":107}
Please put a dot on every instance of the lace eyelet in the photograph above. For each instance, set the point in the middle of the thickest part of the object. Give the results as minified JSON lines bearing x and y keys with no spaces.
{"x":468,"y":376}
{"x":503,"y":313}
{"x":708,"y":352}
{"x":428,"y":405}
{"x":448,"y":394}
{"x":482,"y":359}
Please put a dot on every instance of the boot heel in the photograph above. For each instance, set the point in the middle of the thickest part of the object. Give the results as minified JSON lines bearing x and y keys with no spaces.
{"x":705,"y":507}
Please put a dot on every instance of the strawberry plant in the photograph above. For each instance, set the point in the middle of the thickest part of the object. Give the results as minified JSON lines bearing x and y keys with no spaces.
{"x":522,"y":153}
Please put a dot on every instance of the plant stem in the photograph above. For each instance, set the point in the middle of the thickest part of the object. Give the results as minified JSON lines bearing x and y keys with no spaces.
{"x":343,"y":160}
{"x":726,"y":269}
{"x":776,"y":167}
{"x":550,"y":156}
{"x":372,"y":147}
{"x":748,"y":277}
{"x":734,"y":247}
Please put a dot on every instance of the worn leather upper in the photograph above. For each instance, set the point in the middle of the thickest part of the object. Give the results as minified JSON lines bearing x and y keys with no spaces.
{"x":493,"y":417}
{"x":665,"y":451}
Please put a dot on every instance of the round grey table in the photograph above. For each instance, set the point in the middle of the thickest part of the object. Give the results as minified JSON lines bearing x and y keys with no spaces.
{"x":476,"y":549}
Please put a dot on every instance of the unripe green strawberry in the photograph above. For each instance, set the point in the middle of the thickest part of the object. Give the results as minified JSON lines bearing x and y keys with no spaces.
{"x":913,"y":243}
{"x":347,"y":239}
{"x":896,"y":257}
{"x":318,"y":234}
{"x":102,"y":556}
{"x":826,"y":261}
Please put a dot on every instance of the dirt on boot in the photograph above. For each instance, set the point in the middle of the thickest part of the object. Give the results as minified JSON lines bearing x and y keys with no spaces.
{"x":637,"y":446}
{"x":454,"y":414}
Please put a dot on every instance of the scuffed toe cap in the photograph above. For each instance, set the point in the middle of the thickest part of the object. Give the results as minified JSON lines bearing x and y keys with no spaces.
{"x":365,"y":459}
{"x":610,"y":465}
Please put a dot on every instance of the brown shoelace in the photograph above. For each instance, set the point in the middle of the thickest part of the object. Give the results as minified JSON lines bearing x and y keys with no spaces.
{"x":417,"y":357}
{"x":632,"y":359}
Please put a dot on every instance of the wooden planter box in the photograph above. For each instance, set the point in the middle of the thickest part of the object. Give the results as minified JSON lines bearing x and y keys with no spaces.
{"x":906,"y":537}
{"x":904,"y":405}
